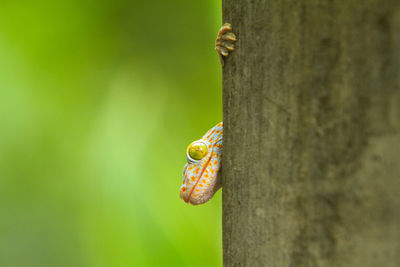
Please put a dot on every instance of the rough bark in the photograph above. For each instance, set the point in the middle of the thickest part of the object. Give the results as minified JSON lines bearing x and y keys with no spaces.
{"x":311,"y":167}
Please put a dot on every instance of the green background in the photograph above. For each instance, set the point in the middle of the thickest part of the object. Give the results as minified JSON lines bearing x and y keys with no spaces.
{"x":98,"y":101}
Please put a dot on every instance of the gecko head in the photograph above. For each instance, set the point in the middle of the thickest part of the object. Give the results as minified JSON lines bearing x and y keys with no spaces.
{"x":200,"y":180}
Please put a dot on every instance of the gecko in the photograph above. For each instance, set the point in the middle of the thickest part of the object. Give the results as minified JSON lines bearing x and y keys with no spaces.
{"x":201,"y":177}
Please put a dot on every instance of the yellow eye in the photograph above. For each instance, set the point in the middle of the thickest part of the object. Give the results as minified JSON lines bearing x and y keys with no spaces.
{"x":197,"y":150}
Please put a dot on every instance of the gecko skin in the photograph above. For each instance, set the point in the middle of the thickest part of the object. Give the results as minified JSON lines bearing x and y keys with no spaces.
{"x":201,"y":177}
{"x":200,"y":174}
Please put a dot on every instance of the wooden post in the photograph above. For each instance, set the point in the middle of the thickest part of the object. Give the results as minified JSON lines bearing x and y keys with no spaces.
{"x":311,"y":164}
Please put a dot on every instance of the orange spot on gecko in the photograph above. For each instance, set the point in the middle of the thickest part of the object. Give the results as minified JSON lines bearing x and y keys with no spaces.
{"x":193,"y":178}
{"x":197,"y":170}
{"x":183,"y":189}
{"x":201,"y":185}
{"x":210,"y":133}
{"x":215,"y":163}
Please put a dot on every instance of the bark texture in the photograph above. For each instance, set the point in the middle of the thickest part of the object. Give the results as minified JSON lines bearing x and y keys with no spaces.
{"x":311,"y":166}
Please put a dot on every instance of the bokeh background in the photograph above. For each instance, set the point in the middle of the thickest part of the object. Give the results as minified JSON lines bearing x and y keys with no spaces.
{"x":98,"y":101}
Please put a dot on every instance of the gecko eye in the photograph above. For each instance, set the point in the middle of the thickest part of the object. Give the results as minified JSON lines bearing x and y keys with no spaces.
{"x":196,"y":151}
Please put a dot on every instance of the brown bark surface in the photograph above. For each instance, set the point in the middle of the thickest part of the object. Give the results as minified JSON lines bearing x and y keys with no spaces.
{"x":311,"y":166}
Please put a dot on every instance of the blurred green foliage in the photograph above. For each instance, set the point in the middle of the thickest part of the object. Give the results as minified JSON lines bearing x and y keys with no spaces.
{"x":98,"y":101}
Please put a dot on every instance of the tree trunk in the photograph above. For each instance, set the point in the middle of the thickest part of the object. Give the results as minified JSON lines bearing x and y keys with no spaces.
{"x":311,"y":166}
